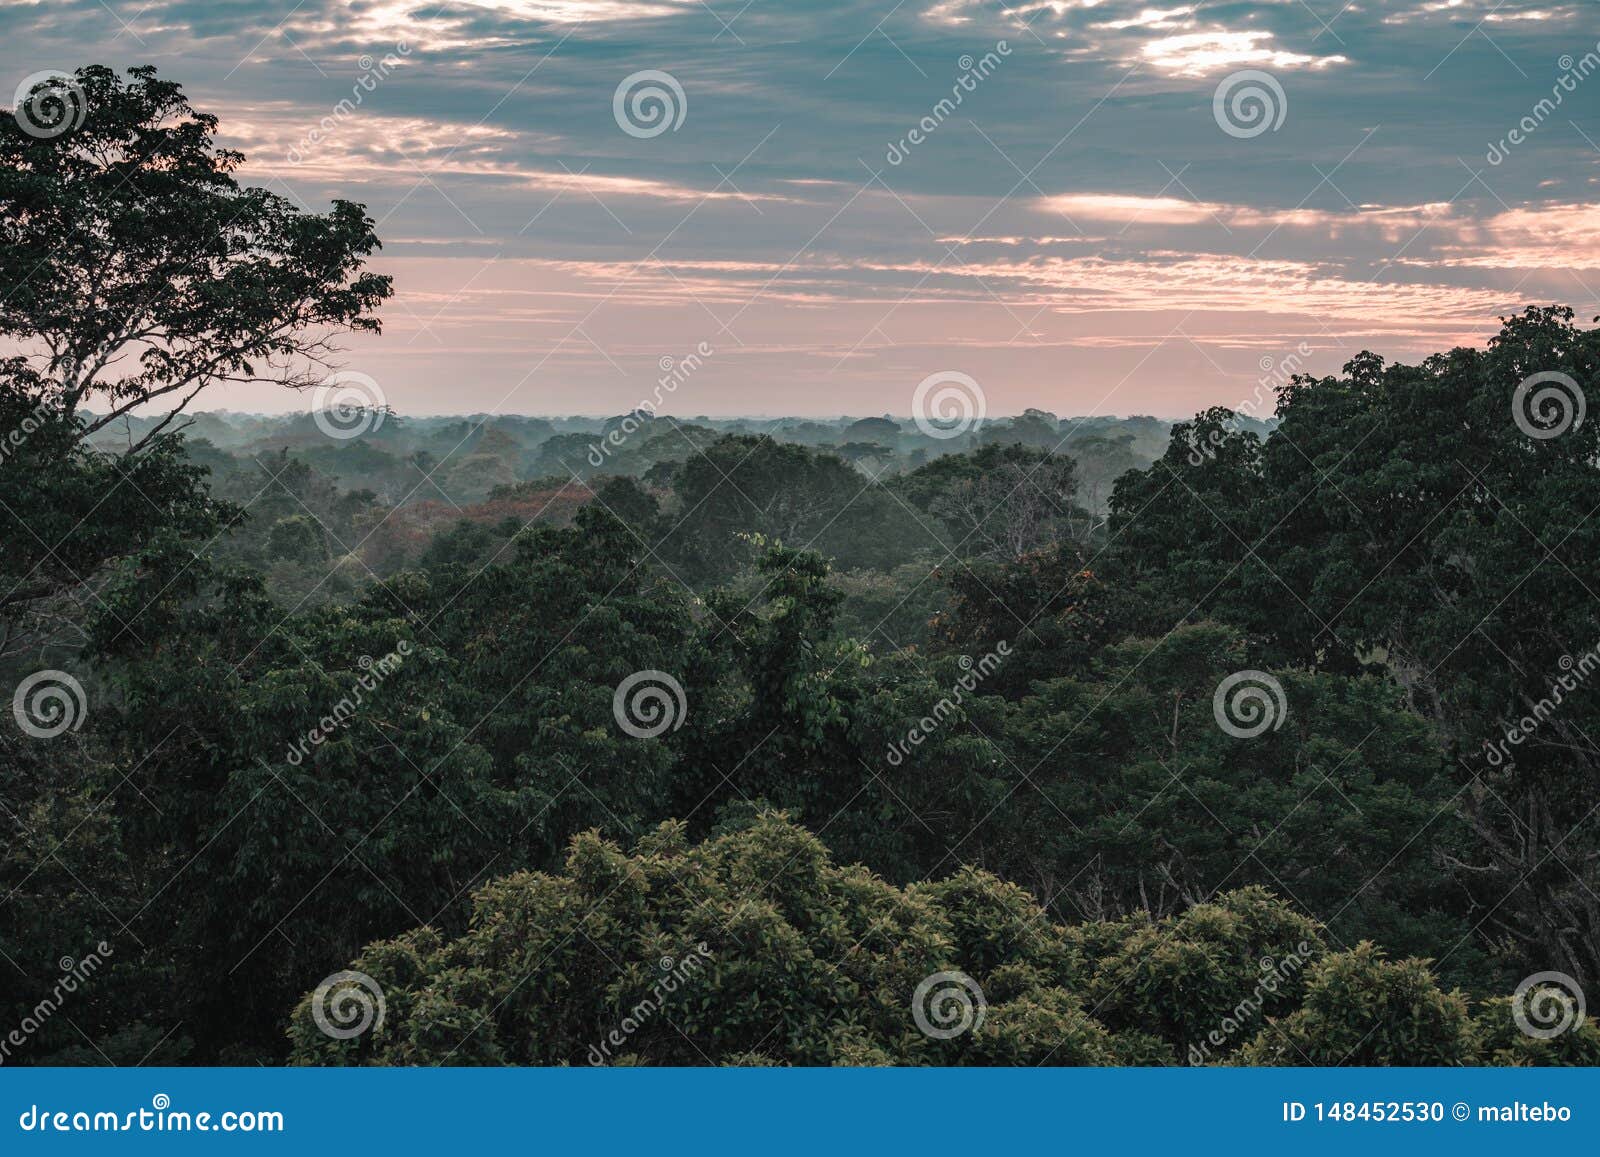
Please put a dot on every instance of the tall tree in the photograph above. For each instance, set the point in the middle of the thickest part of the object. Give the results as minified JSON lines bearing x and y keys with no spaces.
{"x":1435,"y":523}
{"x":139,"y":270}
{"x":135,"y":272}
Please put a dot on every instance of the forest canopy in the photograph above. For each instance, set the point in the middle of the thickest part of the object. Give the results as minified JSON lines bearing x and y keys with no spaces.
{"x":1064,"y":741}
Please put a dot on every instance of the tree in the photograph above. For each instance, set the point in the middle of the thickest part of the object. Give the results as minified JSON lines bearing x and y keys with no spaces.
{"x":66,"y":508}
{"x":1204,"y":981}
{"x":136,"y":272}
{"x":298,"y":539}
{"x":1056,"y":613}
{"x":76,"y":990}
{"x":127,"y":240}
{"x":490,"y":463}
{"x":1001,"y":502}
{"x":1038,"y":429}
{"x":1117,"y":791}
{"x":749,"y":484}
{"x":356,"y":769}
{"x":885,"y":430}
{"x":1503,"y":1041}
{"x":1101,"y":461}
{"x":1432,"y":523}
{"x":1361,"y":1009}
{"x":756,"y":947}
{"x":797,"y":960}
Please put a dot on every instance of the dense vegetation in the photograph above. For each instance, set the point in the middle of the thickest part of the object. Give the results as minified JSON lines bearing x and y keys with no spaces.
{"x":1058,"y":742}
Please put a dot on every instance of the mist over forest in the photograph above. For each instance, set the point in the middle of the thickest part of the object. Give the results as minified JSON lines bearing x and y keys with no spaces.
{"x":350,"y":737}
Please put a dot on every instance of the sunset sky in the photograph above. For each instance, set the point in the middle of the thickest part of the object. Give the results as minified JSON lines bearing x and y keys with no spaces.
{"x":1081,"y":233}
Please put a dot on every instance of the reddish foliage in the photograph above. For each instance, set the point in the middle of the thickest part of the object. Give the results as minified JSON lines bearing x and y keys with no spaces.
{"x":417,"y":522}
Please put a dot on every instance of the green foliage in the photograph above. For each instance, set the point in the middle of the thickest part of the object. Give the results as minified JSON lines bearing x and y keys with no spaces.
{"x":1204,"y":981}
{"x":1118,"y":792}
{"x":893,"y":610}
{"x":130,"y":234}
{"x":66,"y":509}
{"x":137,"y":272}
{"x":339,"y":716}
{"x":805,"y":962}
{"x":1400,"y":520}
{"x":357,"y":769}
{"x":1361,"y":1009}
{"x":77,"y":987}
{"x":1571,"y":1036}
{"x":297,"y":539}
{"x":1001,"y":502}
{"x":754,"y":947}
{"x":742,"y":485}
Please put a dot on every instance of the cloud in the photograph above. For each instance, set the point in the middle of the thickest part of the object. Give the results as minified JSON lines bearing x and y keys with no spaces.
{"x":1079,"y":223}
{"x":1204,"y":53}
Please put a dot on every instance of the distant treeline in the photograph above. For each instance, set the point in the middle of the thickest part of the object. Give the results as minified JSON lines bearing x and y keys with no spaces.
{"x":465,"y":458}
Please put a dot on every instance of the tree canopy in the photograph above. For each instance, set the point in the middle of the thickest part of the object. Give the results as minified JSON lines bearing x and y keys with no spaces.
{"x":636,"y":741}
{"x":801,"y":961}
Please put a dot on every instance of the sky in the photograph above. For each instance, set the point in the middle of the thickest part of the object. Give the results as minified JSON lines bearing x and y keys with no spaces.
{"x":1085,"y":206}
